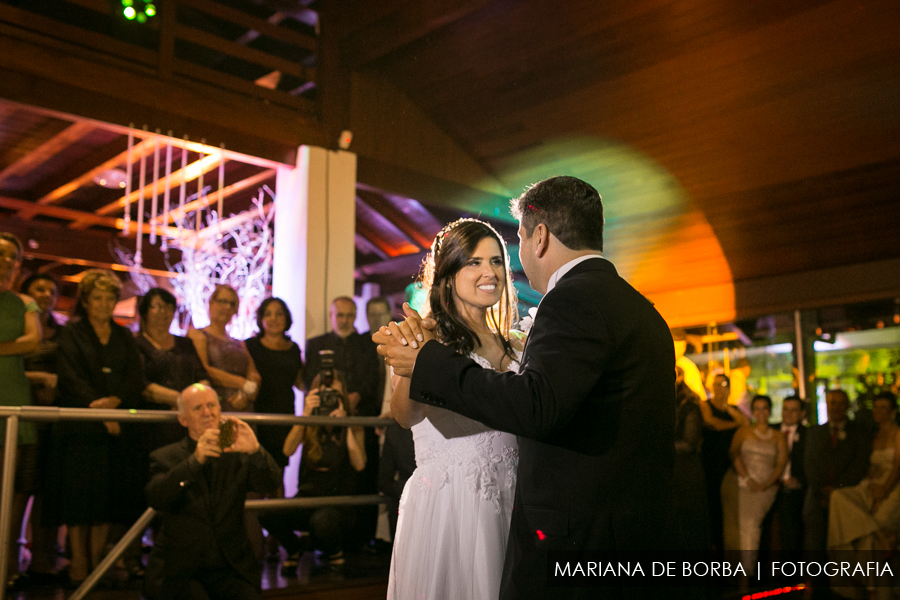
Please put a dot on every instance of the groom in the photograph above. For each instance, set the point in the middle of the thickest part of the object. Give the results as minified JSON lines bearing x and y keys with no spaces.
{"x":593,"y":405}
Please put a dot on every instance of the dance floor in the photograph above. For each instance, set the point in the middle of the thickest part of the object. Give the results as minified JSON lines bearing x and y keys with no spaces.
{"x":364,"y":578}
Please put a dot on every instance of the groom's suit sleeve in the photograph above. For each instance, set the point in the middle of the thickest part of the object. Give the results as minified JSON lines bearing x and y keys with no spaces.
{"x":589,"y":349}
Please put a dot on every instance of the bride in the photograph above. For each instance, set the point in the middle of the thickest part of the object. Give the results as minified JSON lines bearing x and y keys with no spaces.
{"x":455,"y":509}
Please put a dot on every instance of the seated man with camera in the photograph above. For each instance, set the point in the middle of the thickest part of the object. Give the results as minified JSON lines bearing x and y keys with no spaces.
{"x":199,"y":486}
{"x":331,"y":456}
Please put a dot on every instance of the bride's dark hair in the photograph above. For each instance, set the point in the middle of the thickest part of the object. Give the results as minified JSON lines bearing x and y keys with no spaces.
{"x":451,"y":250}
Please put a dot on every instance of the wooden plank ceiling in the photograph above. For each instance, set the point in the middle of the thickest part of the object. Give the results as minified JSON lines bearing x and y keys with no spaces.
{"x":732,"y":141}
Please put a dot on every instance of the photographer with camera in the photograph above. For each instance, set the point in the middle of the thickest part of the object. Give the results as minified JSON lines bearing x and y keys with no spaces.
{"x":331,"y":457}
{"x":199,"y":486}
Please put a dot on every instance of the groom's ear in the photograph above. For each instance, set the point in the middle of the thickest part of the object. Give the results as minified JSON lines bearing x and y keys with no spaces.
{"x":541,"y":240}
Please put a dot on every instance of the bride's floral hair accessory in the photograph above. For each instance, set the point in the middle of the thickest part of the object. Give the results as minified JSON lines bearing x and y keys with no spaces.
{"x":439,"y":238}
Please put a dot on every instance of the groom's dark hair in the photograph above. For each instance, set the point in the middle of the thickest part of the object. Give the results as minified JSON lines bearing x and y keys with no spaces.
{"x":570,"y":208}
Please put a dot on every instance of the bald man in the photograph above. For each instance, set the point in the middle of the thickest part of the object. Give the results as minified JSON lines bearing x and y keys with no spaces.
{"x":202,"y":550}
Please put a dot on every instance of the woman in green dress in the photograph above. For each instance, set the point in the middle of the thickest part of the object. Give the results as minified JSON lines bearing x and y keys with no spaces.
{"x":20,"y":334}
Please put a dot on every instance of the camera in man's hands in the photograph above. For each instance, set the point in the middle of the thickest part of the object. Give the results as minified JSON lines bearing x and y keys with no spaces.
{"x":227,"y":430}
{"x":329,"y":398}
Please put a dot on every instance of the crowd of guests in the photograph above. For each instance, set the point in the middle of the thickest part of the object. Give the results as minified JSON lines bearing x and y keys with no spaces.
{"x":742,"y":485}
{"x":792,"y":490}
{"x":96,"y":478}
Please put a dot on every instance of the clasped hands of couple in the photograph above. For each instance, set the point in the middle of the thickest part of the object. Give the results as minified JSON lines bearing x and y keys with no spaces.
{"x":399,"y":342}
{"x":208,"y":445}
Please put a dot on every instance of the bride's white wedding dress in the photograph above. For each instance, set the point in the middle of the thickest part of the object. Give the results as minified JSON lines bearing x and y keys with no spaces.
{"x":455,"y":509}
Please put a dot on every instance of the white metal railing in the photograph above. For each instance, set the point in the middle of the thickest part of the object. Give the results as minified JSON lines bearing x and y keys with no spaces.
{"x":13,"y":414}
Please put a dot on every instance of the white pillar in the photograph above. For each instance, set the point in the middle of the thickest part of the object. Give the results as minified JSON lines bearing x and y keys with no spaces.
{"x":315,"y":229}
{"x":314,"y":254}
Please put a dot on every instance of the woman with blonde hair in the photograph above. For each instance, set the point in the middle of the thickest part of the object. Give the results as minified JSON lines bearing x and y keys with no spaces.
{"x":99,"y":367}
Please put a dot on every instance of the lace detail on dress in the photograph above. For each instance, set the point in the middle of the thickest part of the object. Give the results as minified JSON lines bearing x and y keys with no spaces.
{"x":468,"y":448}
{"x":511,"y":460}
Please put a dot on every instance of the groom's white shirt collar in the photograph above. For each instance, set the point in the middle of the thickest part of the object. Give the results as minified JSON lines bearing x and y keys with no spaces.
{"x":566,"y":268}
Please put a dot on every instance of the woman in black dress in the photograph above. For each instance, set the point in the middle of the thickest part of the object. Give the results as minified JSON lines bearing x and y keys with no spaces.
{"x":99,"y":367}
{"x":720,"y":421}
{"x":280,"y":364}
{"x":170,"y":362}
{"x":40,"y":368}
{"x":689,"y":488}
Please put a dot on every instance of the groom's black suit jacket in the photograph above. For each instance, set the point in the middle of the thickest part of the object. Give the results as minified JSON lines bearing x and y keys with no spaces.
{"x":594,"y":409}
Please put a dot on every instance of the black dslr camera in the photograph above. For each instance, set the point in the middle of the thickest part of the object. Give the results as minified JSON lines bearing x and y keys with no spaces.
{"x":329,"y":398}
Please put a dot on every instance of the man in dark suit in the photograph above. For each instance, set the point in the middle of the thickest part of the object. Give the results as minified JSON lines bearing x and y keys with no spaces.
{"x":352,"y":357}
{"x":788,"y":508}
{"x":202,"y":550}
{"x":592,"y":405}
{"x":837,"y":455}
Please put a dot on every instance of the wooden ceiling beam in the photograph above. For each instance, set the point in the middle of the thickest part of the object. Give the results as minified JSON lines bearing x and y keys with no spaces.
{"x":47,"y":150}
{"x":372,"y":236}
{"x":10,"y":106}
{"x":185,"y":174}
{"x":390,"y":32}
{"x":64,"y":78}
{"x":54,"y":240}
{"x":265,"y":27}
{"x":397,"y":217}
{"x":69,"y":214}
{"x":142,"y":148}
{"x":94,"y":264}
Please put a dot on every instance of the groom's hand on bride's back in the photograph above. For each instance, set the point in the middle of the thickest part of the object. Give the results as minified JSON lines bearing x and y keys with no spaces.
{"x":399,"y":342}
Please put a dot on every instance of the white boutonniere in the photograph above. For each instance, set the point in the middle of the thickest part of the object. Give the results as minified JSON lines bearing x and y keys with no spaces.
{"x":526,"y":322}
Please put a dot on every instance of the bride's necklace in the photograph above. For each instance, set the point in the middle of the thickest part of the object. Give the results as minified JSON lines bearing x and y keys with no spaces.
{"x":764,"y":436}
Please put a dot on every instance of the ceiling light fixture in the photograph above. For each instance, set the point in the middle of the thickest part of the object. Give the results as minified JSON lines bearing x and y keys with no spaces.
{"x":111,"y":178}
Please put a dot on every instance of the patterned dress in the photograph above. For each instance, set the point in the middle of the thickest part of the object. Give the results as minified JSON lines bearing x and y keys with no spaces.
{"x":455,"y":509}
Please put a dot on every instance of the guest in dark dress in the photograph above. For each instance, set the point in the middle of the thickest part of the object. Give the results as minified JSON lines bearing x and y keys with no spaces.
{"x":720,"y":421}
{"x":93,"y":480}
{"x":170,"y":363}
{"x":233,"y":374}
{"x":691,"y":523}
{"x":280,"y":364}
{"x":40,"y":368}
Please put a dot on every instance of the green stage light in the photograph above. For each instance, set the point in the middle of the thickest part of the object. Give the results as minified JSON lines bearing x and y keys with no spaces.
{"x":137,"y":10}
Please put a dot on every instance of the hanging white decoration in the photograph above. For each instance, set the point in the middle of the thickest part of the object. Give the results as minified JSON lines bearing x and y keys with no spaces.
{"x":126,"y":221}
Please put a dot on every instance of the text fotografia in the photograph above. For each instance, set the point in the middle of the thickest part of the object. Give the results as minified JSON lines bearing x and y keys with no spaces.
{"x":661,"y":573}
